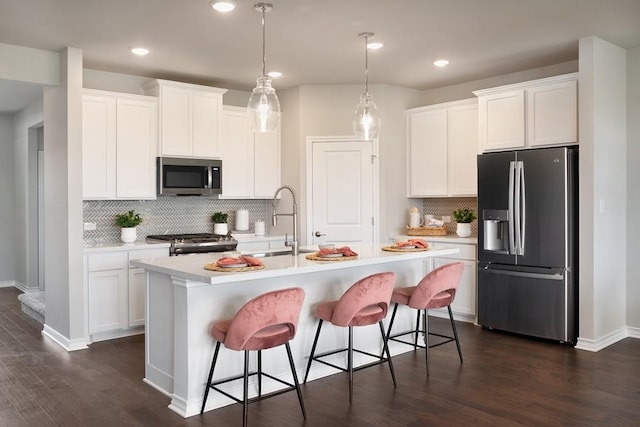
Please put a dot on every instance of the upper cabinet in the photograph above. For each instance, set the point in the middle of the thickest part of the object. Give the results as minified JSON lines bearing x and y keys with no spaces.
{"x":251,"y":160}
{"x":531,"y":114}
{"x":442,"y":149}
{"x":189,"y":118}
{"x":119,"y":141}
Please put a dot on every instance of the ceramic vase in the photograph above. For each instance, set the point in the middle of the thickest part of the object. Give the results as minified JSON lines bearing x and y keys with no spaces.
{"x":128,"y":234}
{"x":463,"y":229}
{"x":220,"y":228}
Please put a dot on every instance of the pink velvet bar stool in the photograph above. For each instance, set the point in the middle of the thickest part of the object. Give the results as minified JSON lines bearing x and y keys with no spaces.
{"x":365,"y":303}
{"x":267,"y":321}
{"x":436,"y":290}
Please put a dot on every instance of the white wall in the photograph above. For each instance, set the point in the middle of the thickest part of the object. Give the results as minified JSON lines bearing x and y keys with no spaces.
{"x":633,"y":189}
{"x":24,"y":64}
{"x":7,"y":196}
{"x":25,"y":124}
{"x":603,"y":192}
{"x":64,"y":289}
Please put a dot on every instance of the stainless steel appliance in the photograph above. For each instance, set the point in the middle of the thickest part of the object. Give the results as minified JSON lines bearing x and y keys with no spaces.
{"x":188,"y":177}
{"x":527,"y":242}
{"x":183,"y":244}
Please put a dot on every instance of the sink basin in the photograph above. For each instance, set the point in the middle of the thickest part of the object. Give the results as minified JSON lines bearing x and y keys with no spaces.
{"x":270,"y":253}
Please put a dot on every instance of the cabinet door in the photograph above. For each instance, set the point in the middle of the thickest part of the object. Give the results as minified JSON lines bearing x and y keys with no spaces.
{"x":502,"y":120}
{"x":137,"y":296}
{"x":427,"y":153}
{"x":552,"y":114}
{"x":465,"y":300}
{"x":136,"y":149}
{"x":236,"y":151}
{"x":463,"y":150}
{"x":175,"y":121}
{"x":206,"y":110}
{"x":107,"y":300}
{"x":98,"y":147}
{"x":266,"y":149}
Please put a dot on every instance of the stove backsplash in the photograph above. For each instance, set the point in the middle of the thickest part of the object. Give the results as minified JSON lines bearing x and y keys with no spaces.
{"x":166,"y":215}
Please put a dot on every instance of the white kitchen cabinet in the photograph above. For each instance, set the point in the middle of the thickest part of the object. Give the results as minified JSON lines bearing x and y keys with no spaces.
{"x":251,"y":160}
{"x":119,"y":140}
{"x":189,"y":118}
{"x":442,"y":149}
{"x":532,"y":114}
{"x":116,"y":292}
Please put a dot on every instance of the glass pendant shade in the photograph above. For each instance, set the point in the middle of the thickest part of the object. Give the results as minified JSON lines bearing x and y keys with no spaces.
{"x":263,"y":107}
{"x":366,"y":121}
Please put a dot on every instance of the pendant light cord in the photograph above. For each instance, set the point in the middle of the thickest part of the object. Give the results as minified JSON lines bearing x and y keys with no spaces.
{"x":366,"y":65}
{"x":264,"y":46}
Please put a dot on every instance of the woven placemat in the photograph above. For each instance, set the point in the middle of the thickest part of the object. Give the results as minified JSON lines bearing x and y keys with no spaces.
{"x":394,"y":249}
{"x":316,"y":257}
{"x":214,"y":267}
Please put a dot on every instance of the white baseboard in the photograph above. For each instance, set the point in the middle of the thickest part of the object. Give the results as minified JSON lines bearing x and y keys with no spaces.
{"x":62,"y":341}
{"x":18,"y":285}
{"x":602,"y":342}
{"x":104,"y":336}
{"x":633,"y":332}
{"x":8,"y":284}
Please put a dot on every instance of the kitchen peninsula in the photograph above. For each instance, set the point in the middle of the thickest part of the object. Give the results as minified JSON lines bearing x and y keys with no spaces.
{"x":183,"y":299}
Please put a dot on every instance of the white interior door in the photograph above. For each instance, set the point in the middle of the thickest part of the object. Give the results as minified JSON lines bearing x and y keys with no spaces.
{"x":342,"y":188}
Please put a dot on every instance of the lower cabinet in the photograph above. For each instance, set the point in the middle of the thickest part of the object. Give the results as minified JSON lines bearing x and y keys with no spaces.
{"x":464,"y":304}
{"x":116,"y":292}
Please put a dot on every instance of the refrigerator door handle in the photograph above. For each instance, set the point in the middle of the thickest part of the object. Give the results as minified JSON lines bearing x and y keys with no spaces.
{"x":512,"y":245}
{"x":553,"y":276}
{"x":523,"y":207}
{"x":517,"y":212}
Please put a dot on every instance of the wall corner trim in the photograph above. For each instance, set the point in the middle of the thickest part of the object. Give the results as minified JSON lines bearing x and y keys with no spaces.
{"x":62,"y":341}
{"x":603,"y":342}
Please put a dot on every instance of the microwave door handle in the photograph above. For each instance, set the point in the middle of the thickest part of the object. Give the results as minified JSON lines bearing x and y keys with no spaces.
{"x":512,"y":169}
{"x":209,"y":175}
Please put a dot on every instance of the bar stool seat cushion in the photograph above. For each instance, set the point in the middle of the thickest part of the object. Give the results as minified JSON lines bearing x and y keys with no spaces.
{"x":403,"y":296}
{"x":269,"y":337}
{"x":367,"y":316}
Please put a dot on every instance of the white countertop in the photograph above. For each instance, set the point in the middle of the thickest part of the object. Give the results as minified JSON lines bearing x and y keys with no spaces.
{"x":119,"y":246}
{"x":192,"y":267}
{"x":449,"y":238}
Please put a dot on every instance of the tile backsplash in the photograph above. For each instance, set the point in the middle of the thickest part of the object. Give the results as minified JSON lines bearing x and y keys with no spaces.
{"x":446,"y":205}
{"x":166,"y":215}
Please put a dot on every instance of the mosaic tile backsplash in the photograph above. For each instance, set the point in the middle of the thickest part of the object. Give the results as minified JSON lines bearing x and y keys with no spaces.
{"x":166,"y":215}
{"x":446,"y":205}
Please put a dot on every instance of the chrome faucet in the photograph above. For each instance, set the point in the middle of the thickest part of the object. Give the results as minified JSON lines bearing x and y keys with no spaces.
{"x":274,"y":220}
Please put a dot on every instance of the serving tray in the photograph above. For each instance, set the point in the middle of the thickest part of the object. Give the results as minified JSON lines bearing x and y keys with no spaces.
{"x":215,"y":267}
{"x":316,"y":257}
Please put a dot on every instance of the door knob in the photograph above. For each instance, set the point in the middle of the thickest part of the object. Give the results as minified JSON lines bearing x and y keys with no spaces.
{"x":318,"y":234}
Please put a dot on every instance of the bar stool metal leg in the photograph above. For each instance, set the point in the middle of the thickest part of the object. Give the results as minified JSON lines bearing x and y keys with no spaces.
{"x":295,"y":380}
{"x":313,"y":351}
{"x":426,"y":337}
{"x":350,"y":363}
{"x":213,"y":365}
{"x":245,"y":403}
{"x":385,"y":349}
{"x":455,"y":332}
{"x":259,"y":372}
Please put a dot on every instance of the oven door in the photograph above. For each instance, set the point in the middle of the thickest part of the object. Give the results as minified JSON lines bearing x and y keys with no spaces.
{"x":177,"y":176}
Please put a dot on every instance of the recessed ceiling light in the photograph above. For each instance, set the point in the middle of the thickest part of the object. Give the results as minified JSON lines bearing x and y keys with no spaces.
{"x":441,"y":62}
{"x":374,"y":45}
{"x":140,"y":51}
{"x":223,"y":6}
{"x":275,"y":74}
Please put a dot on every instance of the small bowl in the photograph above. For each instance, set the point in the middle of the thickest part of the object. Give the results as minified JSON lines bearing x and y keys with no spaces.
{"x":327,"y":246}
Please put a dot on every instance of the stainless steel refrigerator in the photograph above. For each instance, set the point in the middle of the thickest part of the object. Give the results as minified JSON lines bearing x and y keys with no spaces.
{"x":527,"y":242}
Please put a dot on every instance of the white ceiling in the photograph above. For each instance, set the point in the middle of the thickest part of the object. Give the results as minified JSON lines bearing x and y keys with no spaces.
{"x":317,"y":42}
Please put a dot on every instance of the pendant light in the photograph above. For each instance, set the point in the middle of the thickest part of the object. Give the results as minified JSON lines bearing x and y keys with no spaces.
{"x":366,"y":121}
{"x":263,"y":106}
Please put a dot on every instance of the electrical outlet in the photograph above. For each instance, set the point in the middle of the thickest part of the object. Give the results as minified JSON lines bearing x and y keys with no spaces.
{"x":446,"y":218}
{"x":89,"y":226}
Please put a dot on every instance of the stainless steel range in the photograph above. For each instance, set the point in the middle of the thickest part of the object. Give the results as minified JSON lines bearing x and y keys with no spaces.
{"x":183,"y":244}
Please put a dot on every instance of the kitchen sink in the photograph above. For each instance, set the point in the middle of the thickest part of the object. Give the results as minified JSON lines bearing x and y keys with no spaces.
{"x":270,"y":253}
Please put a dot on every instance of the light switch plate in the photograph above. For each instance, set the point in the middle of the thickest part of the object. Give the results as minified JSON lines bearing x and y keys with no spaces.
{"x":446,"y":218}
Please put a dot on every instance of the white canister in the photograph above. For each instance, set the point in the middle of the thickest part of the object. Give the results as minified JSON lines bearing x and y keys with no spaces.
{"x":414,"y":219}
{"x":258,"y":228}
{"x":242,"y":220}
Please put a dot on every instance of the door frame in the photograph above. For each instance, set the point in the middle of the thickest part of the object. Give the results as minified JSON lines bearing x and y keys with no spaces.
{"x":309,"y":181}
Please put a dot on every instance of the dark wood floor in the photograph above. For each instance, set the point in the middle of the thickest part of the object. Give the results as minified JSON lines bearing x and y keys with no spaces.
{"x":505,"y":380}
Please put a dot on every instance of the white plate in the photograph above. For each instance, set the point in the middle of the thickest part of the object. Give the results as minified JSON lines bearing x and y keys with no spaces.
{"x":239,"y":265}
{"x":331,"y":256}
{"x":406,"y":247}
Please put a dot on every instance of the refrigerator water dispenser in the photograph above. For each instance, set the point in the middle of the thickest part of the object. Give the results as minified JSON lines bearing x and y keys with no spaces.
{"x":496,"y":234}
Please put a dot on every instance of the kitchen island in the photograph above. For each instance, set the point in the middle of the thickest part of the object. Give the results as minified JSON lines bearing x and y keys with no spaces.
{"x":183,"y":299}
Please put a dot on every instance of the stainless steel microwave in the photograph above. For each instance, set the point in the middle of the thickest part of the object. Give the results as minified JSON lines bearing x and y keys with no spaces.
{"x":188,"y":176}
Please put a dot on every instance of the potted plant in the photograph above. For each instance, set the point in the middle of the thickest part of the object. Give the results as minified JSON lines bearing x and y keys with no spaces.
{"x":464,"y":217}
{"x":220,"y":223}
{"x":128,"y":223}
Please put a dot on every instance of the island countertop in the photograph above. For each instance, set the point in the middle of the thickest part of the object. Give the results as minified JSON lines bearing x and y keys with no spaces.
{"x":192,"y":267}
